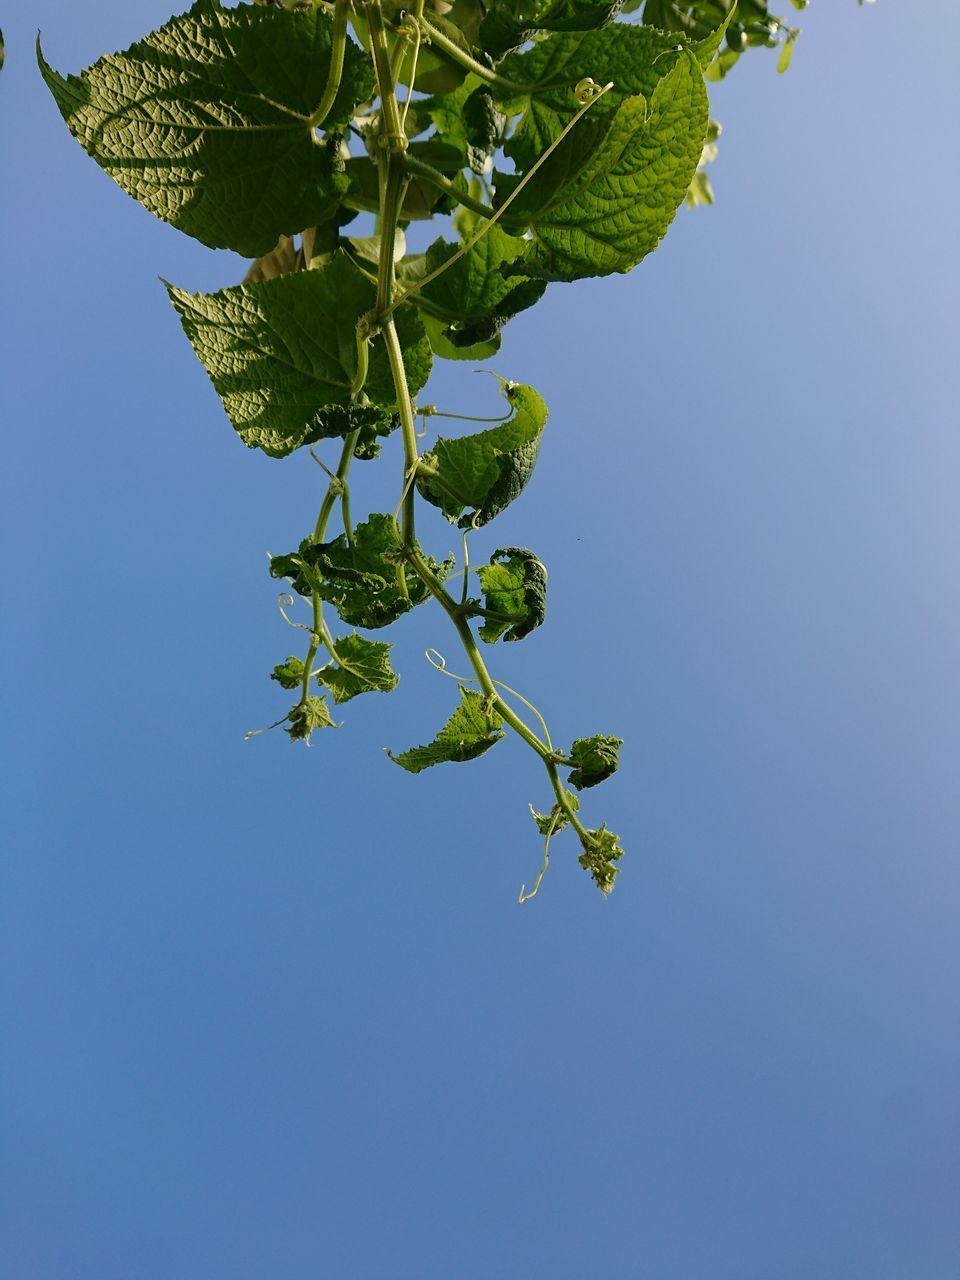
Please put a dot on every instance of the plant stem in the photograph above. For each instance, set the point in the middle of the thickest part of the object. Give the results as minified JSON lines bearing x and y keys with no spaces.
{"x":560,"y":792}
{"x":391,"y":189}
{"x":335,"y":489}
{"x":341,"y":12}
{"x":453,"y":51}
{"x":423,"y":170}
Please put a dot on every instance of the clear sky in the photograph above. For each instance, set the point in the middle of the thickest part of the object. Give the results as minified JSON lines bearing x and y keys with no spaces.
{"x":275,"y":1013}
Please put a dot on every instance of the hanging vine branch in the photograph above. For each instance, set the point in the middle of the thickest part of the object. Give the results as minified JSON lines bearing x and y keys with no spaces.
{"x":266,"y":129}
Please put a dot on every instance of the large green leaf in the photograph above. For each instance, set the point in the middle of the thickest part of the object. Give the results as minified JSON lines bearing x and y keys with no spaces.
{"x":209,"y":121}
{"x":635,"y":59}
{"x":485,"y":471}
{"x":279,"y":351}
{"x":515,"y":589}
{"x":605,"y":198}
{"x":360,"y":579}
{"x":471,"y":730}
{"x":472,"y":297}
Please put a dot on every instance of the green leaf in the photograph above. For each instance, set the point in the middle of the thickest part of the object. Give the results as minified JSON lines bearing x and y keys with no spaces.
{"x":786,"y":55}
{"x":634,"y":58}
{"x":308,"y":715}
{"x":472,"y":297}
{"x":471,"y":730}
{"x":362,"y":666}
{"x":594,"y":760}
{"x":360,"y":581}
{"x":724,"y":63}
{"x":516,"y":590}
{"x":488,"y":470}
{"x":288,"y":674}
{"x":283,"y":258}
{"x":339,"y":420}
{"x":282,"y":350}
{"x":510,"y":24}
{"x":441,"y":345}
{"x":607,"y":195}
{"x":469,"y":119}
{"x":700,"y":191}
{"x":601,"y":853}
{"x":209,"y":121}
{"x":554,"y":821}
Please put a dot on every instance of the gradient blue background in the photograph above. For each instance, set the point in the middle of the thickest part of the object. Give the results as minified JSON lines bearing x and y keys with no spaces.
{"x":274,"y":1012}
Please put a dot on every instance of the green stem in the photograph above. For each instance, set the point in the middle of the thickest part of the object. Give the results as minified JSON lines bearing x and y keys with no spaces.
{"x":408,"y":428}
{"x":335,"y":489}
{"x":389,"y":107}
{"x":434,"y":176}
{"x":341,"y":12}
{"x":391,"y":190}
{"x":560,"y":792}
{"x":453,"y":51}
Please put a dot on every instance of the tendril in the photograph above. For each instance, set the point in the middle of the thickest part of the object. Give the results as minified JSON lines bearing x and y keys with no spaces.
{"x":286,"y":601}
{"x":253,"y":733}
{"x":439,"y":663}
{"x":530,"y":707}
{"x":322,"y":465}
{"x":470,"y":417}
{"x":466,"y":564}
{"x":525,"y":897}
{"x":409,"y":30}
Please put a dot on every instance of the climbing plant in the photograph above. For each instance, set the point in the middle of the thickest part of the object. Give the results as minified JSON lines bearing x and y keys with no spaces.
{"x":557,"y":137}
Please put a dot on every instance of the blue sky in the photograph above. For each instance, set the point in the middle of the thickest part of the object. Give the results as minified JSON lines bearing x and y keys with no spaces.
{"x":275,"y":1012}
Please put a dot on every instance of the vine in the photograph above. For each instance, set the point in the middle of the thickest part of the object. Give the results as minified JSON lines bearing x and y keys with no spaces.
{"x":267,"y":129}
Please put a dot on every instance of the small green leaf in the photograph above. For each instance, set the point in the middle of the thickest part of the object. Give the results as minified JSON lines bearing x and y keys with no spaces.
{"x":469,"y":119}
{"x":485,"y":471}
{"x":722,"y":65}
{"x":516,"y":591}
{"x":472,"y":297}
{"x":601,"y":853}
{"x":308,"y":715}
{"x":554,"y":821}
{"x":362,"y":666}
{"x":288,"y":674}
{"x":471,"y":730}
{"x":360,"y":581}
{"x":281,"y":352}
{"x":209,"y":121}
{"x":700,"y":191}
{"x":441,"y":345}
{"x":594,"y":760}
{"x":339,"y":421}
{"x":786,"y":55}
